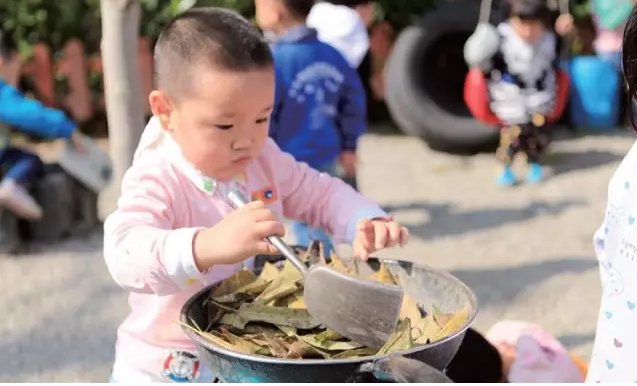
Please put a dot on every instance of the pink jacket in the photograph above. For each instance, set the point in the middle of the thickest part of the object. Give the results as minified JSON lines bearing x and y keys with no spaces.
{"x":148,"y":242}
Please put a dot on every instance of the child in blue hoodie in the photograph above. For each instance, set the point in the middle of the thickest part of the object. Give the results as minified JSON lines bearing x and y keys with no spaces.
{"x":20,"y":168}
{"x":320,"y":110}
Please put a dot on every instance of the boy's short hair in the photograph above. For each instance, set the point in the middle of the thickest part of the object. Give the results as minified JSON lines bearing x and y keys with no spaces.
{"x":349,"y":3}
{"x":299,"y":8}
{"x":529,"y":9}
{"x":210,"y":36}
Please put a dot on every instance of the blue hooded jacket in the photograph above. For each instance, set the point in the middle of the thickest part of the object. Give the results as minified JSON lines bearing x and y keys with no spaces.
{"x":30,"y":116}
{"x":320,"y":107}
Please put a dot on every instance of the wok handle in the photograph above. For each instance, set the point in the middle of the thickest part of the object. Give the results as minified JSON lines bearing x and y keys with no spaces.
{"x":405,"y":370}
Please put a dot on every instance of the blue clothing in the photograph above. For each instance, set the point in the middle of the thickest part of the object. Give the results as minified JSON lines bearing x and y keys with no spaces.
{"x":32,"y":117}
{"x":304,"y":234}
{"x":320,"y":107}
{"x":20,"y":165}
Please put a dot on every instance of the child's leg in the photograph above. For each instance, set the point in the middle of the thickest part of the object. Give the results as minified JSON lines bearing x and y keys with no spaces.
{"x":21,"y":169}
{"x":533,"y":142}
{"x":509,"y":143}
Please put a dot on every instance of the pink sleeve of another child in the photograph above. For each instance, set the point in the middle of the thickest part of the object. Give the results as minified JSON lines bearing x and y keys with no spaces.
{"x":318,"y":199}
{"x":142,"y":250}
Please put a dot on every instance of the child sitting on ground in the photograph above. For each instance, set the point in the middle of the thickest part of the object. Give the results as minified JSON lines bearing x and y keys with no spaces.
{"x":320,"y":110}
{"x":521,"y":75}
{"x":20,"y":168}
{"x":174,"y":231}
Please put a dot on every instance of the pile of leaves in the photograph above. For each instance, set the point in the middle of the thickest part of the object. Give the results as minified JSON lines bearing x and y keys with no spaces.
{"x":266,"y":315}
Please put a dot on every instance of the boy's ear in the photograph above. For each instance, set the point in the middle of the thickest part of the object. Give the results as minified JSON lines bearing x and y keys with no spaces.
{"x":161,"y":107}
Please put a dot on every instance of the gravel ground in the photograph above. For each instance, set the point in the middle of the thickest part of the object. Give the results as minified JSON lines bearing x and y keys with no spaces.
{"x":526,"y":252}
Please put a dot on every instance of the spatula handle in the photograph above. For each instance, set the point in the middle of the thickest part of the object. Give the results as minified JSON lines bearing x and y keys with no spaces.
{"x":238,"y":201}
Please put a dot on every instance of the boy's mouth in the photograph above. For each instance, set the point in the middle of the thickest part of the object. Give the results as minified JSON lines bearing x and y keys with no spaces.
{"x":242,"y":161}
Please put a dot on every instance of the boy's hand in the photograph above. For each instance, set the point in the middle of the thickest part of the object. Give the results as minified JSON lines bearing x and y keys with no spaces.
{"x":78,"y":142}
{"x":374,"y":235}
{"x":564,"y":24}
{"x":239,"y":236}
{"x":348,"y":161}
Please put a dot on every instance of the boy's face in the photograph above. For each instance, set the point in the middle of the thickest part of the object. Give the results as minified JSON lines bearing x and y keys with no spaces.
{"x":529,"y":30}
{"x":222,"y":124}
{"x":268,"y":13}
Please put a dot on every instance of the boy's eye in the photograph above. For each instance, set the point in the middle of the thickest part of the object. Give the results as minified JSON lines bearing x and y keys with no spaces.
{"x":224,"y":127}
{"x":262,"y":120}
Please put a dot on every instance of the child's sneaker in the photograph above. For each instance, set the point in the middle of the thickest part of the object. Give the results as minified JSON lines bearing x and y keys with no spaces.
{"x":535,"y":174}
{"x":16,"y":198}
{"x":507,"y":177}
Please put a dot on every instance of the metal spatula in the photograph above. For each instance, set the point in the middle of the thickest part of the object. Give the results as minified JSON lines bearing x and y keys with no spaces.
{"x":364,"y":311}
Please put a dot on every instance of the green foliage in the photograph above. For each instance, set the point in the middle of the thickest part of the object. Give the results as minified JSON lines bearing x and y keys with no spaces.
{"x":55,"y":22}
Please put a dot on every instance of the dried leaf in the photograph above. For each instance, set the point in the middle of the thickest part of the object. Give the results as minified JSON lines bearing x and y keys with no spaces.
{"x":295,"y":301}
{"x":338,"y":264}
{"x":266,"y":315}
{"x":425,"y":330}
{"x":329,"y":334}
{"x":243,"y":345}
{"x":439,"y":316}
{"x":234,"y":320}
{"x":289,"y":331}
{"x":300,"y":350}
{"x":234,"y":283}
{"x":329,"y":345}
{"x":279,"y":348}
{"x":383,"y":275}
{"x":409,"y":309}
{"x":359,"y":352}
{"x":269,"y":272}
{"x":454,"y":324}
{"x":283,"y":285}
{"x":400,"y":340}
{"x":279,"y":316}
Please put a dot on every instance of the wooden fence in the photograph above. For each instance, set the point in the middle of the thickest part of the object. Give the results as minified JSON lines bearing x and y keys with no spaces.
{"x":75,"y":67}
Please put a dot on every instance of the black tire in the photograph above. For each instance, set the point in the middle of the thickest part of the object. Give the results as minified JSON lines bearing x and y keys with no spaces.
{"x":424,"y":81}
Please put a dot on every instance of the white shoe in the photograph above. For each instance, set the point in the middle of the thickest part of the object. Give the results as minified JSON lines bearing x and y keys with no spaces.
{"x":16,"y":198}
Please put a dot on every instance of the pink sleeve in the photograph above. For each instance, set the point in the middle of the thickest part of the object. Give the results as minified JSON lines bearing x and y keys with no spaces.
{"x":318,"y":199}
{"x":143,"y":251}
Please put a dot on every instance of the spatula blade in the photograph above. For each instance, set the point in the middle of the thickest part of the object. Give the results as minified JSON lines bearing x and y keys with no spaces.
{"x":362,"y":310}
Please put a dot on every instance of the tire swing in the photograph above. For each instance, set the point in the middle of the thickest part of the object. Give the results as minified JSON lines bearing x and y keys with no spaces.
{"x":476,"y":95}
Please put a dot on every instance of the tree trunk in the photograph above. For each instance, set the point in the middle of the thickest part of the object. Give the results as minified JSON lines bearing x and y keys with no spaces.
{"x":124,"y":109}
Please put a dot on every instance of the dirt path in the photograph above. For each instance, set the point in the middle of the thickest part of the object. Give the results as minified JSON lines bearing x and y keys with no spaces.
{"x":526,"y":252}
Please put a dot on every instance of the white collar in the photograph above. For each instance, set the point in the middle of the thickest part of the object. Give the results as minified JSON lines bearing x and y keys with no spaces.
{"x":155,"y":137}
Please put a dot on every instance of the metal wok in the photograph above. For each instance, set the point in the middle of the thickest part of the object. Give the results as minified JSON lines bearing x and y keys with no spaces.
{"x":426,"y":285}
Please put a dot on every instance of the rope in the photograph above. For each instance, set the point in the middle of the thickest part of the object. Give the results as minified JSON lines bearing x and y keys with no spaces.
{"x":485,"y":11}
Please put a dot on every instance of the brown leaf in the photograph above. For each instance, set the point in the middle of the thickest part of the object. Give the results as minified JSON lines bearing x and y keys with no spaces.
{"x":329,"y":345}
{"x":279,"y":348}
{"x":234,"y":282}
{"x":300,"y":350}
{"x":279,"y":316}
{"x":425,"y":330}
{"x":409,"y":309}
{"x":269,"y":272}
{"x":241,"y":344}
{"x":329,"y":334}
{"x":283,"y":285}
{"x":359,"y":352}
{"x":338,"y":264}
{"x":400,"y":340}
{"x":383,"y":275}
{"x":454,"y":324}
